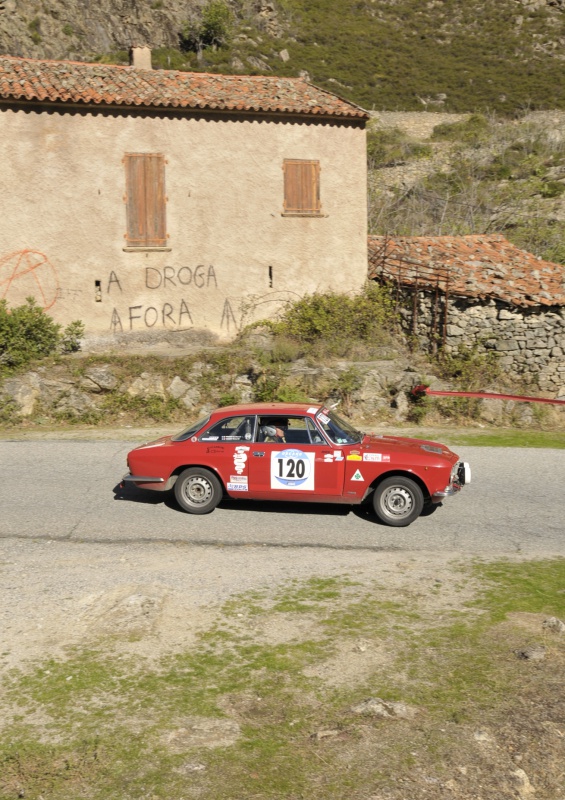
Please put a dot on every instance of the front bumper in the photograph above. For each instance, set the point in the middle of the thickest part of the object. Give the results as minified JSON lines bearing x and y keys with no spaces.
{"x":142,"y":479}
{"x":150,"y":482}
{"x":460,"y":477}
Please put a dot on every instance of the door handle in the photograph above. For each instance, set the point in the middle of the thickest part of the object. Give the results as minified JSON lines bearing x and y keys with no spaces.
{"x":258,"y":453}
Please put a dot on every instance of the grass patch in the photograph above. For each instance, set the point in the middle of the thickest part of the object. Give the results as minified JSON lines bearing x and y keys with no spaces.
{"x":505,"y":438}
{"x":103,"y":726}
{"x":536,"y":587}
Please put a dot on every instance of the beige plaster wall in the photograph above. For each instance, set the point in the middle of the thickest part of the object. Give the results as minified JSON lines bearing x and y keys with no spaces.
{"x":63,"y":219}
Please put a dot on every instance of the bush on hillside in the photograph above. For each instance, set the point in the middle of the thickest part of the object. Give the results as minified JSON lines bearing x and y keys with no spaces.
{"x":27,"y":333}
{"x":496,"y":185}
{"x":390,"y":146}
{"x":332,"y":316}
{"x":473,"y":130}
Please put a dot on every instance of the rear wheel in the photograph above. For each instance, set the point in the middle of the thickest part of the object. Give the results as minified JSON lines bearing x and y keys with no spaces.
{"x":398,"y":501}
{"x":197,"y":490}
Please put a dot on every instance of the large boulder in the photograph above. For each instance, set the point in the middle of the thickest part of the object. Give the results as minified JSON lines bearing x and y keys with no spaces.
{"x":147,"y":385}
{"x":23,"y":391}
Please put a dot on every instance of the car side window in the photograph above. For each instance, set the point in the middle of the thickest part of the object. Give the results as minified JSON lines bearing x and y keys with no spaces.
{"x":288,"y":430}
{"x":232,"y":429}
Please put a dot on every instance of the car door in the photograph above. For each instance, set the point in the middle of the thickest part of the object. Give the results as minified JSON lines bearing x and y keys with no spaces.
{"x":303,"y":466}
{"x":226,"y":446}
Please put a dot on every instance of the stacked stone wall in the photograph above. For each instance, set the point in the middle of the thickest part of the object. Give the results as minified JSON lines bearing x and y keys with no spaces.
{"x":529,"y":342}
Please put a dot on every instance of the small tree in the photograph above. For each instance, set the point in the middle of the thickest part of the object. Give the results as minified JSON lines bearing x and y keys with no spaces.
{"x":214,"y":29}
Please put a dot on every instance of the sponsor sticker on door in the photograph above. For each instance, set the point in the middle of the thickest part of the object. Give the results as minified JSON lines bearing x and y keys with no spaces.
{"x":240,"y":459}
{"x":292,"y":469}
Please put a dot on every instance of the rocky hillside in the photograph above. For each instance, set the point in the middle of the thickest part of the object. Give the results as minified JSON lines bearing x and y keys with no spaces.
{"x":456,"y":55}
{"x":167,"y":383}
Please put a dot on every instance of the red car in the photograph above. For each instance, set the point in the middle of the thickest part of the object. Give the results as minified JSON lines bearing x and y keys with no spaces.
{"x":290,"y":451}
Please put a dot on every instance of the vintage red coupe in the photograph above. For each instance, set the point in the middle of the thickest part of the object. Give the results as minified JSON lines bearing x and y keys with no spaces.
{"x":300,"y":452}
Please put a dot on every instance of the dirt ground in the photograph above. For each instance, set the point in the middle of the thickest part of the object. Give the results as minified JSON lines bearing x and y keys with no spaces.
{"x":154,"y":600}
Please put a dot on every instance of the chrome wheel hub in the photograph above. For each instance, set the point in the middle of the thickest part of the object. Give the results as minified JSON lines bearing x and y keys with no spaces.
{"x":197,"y":490}
{"x":397,"y":502}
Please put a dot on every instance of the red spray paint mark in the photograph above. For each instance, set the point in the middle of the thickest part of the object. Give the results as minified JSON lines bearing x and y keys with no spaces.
{"x":30,"y":274}
{"x":418,"y":391}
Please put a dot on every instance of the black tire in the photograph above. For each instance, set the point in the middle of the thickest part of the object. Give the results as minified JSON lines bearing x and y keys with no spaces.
{"x":197,"y":490}
{"x":398,"y":501}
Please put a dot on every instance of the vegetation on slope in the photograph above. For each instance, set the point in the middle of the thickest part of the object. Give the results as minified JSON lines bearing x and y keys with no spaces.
{"x":502,"y":177}
{"x":457,"y":55}
{"x":395,"y":54}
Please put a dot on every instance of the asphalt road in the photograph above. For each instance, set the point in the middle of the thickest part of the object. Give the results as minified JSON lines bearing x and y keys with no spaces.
{"x":59,"y":490}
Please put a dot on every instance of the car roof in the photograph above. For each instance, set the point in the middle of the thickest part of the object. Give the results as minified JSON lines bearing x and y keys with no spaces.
{"x":269,"y":409}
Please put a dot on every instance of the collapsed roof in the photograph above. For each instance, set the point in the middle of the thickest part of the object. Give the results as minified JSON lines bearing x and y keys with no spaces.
{"x":482,"y":266}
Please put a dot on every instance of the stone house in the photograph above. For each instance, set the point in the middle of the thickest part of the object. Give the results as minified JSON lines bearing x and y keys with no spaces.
{"x":142,"y":200}
{"x":483,"y":291}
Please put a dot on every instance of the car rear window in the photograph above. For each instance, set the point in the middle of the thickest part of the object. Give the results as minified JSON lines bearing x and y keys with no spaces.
{"x":232,"y":429}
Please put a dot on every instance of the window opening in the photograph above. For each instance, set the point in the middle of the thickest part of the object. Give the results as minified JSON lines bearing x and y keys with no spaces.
{"x":145,"y":200}
{"x":301,"y":187}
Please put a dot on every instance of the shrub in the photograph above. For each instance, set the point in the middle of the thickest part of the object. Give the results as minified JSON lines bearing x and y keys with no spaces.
{"x":337,"y":317}
{"x":418,"y":407}
{"x":469,"y":368}
{"x":139,"y":407}
{"x":348,"y":382}
{"x":73,"y":333}
{"x":390,"y":146}
{"x":8,"y":411}
{"x":26,"y":332}
{"x":285,"y":350}
{"x":273,"y":386}
{"x":473,"y":130}
{"x":552,"y":189}
{"x":228,"y":399}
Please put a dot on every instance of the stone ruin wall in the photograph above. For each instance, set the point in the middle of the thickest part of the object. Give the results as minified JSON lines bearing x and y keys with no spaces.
{"x":530,"y":342}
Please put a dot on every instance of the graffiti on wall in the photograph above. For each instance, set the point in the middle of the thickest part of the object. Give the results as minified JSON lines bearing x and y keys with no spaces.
{"x":200,"y":277}
{"x":228,"y":317}
{"x":28,"y":273}
{"x":174,"y":312}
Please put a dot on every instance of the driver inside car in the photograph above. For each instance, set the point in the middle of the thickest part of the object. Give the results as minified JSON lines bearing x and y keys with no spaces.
{"x":273,"y":430}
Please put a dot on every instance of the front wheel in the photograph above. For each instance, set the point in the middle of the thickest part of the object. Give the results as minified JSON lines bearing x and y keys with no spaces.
{"x":398,"y":501}
{"x":197,"y":490}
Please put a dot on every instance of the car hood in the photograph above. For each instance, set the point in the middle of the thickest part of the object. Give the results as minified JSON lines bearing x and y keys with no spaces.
{"x":404,"y":444}
{"x":156,"y":443}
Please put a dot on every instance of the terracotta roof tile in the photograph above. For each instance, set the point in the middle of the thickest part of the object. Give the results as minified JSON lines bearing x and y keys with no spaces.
{"x":77,"y":82}
{"x":475,"y":266}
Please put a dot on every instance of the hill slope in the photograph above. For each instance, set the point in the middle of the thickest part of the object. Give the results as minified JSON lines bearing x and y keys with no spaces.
{"x":457,"y":55}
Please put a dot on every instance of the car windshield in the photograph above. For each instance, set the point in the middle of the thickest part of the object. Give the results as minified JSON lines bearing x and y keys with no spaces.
{"x":191,"y":430}
{"x":339,"y":430}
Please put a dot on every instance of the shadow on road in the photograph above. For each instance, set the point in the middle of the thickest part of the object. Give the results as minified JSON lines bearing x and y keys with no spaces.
{"x":130,"y":493}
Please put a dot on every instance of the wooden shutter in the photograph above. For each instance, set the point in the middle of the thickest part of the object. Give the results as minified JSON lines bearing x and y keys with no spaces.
{"x":301,"y":186}
{"x":145,"y":188}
